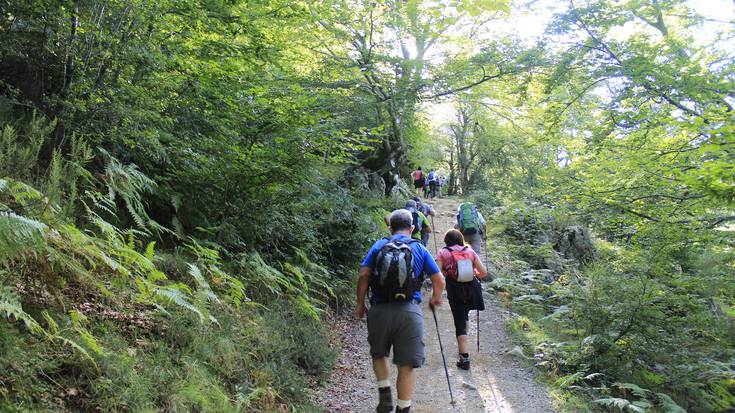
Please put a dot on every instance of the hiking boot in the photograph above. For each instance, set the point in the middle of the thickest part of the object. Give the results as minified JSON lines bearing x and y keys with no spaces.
{"x":404,"y":410}
{"x":464,"y":361}
{"x":385,"y":404}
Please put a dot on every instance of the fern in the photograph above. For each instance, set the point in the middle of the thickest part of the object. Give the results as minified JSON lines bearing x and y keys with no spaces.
{"x":177,"y":294}
{"x":128,"y":184}
{"x":203,"y":286}
{"x":622,"y":405}
{"x":19,"y":155}
{"x":566,"y":381}
{"x":19,"y":234}
{"x":634,"y":389}
{"x":668,"y":405}
{"x":11,"y":309}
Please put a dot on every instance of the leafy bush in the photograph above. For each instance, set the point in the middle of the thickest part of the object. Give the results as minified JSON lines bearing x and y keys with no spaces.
{"x":634,"y":330}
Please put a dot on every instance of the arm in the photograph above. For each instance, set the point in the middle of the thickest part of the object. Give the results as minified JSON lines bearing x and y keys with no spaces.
{"x":480,"y":270}
{"x":438,"y":284}
{"x":362,"y":287}
{"x":427,"y":225}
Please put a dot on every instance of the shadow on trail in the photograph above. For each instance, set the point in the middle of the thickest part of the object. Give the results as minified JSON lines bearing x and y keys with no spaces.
{"x":496,"y":383}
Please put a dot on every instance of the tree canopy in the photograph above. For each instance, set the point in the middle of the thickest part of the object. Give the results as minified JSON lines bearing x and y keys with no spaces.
{"x":173,"y":172}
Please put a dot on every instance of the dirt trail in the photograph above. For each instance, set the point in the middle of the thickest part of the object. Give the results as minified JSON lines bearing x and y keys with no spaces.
{"x":496,"y":383}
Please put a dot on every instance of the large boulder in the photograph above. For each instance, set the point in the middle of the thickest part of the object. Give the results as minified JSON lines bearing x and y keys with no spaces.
{"x":575,"y":242}
{"x":400,"y":189}
{"x":376,"y":183}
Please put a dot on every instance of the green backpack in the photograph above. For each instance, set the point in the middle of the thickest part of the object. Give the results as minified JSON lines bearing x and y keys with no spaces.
{"x":468,"y":221}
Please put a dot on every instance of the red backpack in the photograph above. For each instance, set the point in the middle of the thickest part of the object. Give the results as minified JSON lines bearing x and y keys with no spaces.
{"x":460,"y":268}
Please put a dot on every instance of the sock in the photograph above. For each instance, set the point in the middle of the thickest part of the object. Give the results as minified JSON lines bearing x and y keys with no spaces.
{"x":383,"y":384}
{"x":385,"y":398}
{"x":402,"y":404}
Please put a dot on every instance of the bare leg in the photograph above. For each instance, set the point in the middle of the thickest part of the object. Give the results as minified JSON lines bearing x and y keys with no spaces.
{"x":405,"y":382}
{"x":462,"y":344}
{"x":380,"y":367}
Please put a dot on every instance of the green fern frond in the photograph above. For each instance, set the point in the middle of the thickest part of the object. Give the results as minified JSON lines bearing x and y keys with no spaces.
{"x":634,"y":389}
{"x":19,"y":234}
{"x":203,"y":286}
{"x":176,"y":294}
{"x":11,"y":309}
{"x":128,"y":183}
{"x":668,"y":405}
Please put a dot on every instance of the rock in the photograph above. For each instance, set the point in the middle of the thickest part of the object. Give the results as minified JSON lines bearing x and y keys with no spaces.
{"x":534,"y":276}
{"x":575,"y":242}
{"x":400,"y":189}
{"x":469,"y":385}
{"x":518,"y":352}
{"x":376,"y":183}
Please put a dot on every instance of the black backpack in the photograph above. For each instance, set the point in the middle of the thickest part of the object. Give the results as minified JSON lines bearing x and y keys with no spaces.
{"x":417,"y":224}
{"x":393,"y":277}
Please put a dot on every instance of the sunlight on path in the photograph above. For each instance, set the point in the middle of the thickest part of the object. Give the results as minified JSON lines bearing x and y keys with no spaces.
{"x":480,"y":389}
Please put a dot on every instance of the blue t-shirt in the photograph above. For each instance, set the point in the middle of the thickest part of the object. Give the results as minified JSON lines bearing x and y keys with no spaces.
{"x":423,"y":262}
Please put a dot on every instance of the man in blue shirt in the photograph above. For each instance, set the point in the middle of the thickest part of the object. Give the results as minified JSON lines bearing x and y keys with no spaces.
{"x":397,"y":324}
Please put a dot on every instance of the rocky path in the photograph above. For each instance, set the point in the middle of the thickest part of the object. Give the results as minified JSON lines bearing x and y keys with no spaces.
{"x":496,"y":383}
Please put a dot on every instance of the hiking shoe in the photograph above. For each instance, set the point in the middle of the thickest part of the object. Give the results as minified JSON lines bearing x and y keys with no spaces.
{"x":464,"y":362}
{"x":385,"y":404}
{"x":404,"y":410}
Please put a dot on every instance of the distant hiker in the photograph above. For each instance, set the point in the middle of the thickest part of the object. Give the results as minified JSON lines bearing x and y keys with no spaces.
{"x":393,"y":269}
{"x":441,"y":181}
{"x":421,"y":223}
{"x":472,"y":225}
{"x":428,"y":211}
{"x":462,"y":268}
{"x":432,"y":183}
{"x":418,"y":180}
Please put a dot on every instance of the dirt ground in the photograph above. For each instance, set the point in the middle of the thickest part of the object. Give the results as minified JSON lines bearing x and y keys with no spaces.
{"x":496,"y":383}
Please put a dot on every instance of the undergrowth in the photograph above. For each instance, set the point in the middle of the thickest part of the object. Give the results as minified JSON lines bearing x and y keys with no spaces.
{"x":628,"y":331}
{"x":95,"y":316}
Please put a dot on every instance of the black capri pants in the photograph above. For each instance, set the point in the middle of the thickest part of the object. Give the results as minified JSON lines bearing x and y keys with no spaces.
{"x":464,"y":297}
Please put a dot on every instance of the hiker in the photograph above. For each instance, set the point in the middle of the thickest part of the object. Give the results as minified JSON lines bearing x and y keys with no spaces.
{"x":394,"y":319}
{"x":432,"y":183}
{"x":428,"y":211}
{"x":463,"y":270}
{"x":421,"y":223}
{"x":472,"y":225}
{"x":440,"y":182}
{"x":418,"y":180}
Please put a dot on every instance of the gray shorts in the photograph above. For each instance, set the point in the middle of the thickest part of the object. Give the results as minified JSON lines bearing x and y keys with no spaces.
{"x":398,"y":325}
{"x":475,"y":241}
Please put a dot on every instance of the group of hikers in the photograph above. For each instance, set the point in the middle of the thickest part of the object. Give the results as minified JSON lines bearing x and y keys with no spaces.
{"x":428,"y":184}
{"x":393,"y":272}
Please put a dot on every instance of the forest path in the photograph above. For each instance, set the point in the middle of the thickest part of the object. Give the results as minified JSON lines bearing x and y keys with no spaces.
{"x":496,"y":383}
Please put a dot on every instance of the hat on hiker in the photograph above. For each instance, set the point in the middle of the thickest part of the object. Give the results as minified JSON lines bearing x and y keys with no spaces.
{"x":417,"y":199}
{"x":410,"y":204}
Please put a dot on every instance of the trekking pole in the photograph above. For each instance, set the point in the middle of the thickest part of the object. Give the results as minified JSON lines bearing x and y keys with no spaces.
{"x":441,"y":348}
{"x":433,"y":229}
{"x":484,"y":247}
{"x":478,"y":331}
